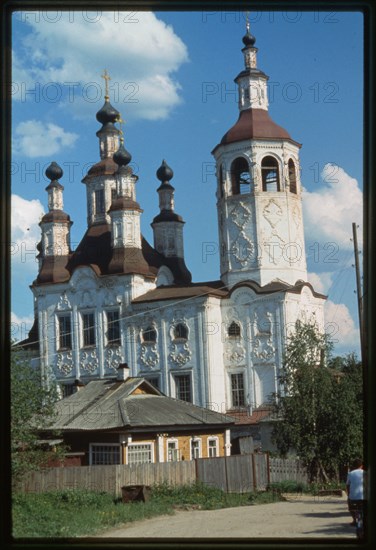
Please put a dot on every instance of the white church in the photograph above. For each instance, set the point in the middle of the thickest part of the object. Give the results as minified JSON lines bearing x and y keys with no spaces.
{"x":118,"y":299}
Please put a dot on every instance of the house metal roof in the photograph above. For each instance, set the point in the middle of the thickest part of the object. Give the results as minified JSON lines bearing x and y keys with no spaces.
{"x":109,"y":404}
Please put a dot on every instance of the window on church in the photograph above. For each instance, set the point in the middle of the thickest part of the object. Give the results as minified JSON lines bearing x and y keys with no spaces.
{"x":65,"y":332}
{"x":270,"y":174}
{"x":292,"y":176}
{"x":221,"y":182}
{"x":113,"y":327}
{"x":99,"y":201}
{"x":88,"y":329}
{"x":234,"y":330}
{"x":67,"y":389}
{"x":183,"y":387}
{"x":113,"y":194}
{"x":149,"y":335}
{"x":237,"y":390}
{"x":240,"y":177}
{"x":181,"y":332}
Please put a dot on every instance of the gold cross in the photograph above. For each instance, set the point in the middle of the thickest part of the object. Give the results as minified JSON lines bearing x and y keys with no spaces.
{"x":121,"y":122}
{"x":247,"y":20}
{"x":106,"y":77}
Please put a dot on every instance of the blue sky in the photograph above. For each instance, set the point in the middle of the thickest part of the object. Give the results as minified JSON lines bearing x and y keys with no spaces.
{"x":172,"y":80}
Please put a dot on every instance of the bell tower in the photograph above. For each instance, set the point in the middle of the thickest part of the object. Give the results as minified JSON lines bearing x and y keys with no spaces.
{"x":259,"y":204}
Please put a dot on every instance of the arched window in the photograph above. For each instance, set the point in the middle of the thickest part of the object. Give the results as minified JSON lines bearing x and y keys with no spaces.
{"x":292,"y":176}
{"x":240,"y":177}
{"x":149,"y":335}
{"x":270,"y":174}
{"x":180,"y":332}
{"x":221,"y":183}
{"x":234,"y":330}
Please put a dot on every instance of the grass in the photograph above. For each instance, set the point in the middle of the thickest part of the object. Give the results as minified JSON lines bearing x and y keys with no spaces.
{"x":78,"y":512}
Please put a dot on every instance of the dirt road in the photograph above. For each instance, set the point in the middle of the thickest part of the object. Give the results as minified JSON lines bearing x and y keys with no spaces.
{"x":298,"y":517}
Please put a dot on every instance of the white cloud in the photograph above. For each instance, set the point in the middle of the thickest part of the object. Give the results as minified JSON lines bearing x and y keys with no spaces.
{"x":340,"y":325}
{"x":20,"y":326}
{"x":330,"y":211}
{"x":33,"y":139}
{"x":321,"y":282}
{"x":25,"y":233}
{"x":140,"y":52}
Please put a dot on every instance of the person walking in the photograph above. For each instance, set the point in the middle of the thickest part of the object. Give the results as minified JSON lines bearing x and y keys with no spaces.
{"x":355,"y":488}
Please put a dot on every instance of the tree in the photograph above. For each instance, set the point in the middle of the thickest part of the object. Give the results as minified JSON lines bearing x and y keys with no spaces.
{"x":31,"y":410}
{"x":319,"y":406}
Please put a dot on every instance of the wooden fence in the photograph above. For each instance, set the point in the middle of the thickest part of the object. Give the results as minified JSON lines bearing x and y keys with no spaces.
{"x":233,"y":474}
{"x":282,"y":469}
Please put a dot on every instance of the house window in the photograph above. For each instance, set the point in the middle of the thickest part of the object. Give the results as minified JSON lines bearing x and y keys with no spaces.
{"x":99,"y":201}
{"x":212,"y":447}
{"x":269,"y":174}
{"x":183,"y":387}
{"x":292,"y":176}
{"x":113,"y":327}
{"x":154,"y":381}
{"x":88,"y":329}
{"x":139,"y":454}
{"x":195,"y":448}
{"x":104,"y":454}
{"x":234,"y":330}
{"x":180,"y":332}
{"x":65,"y":332}
{"x":172,"y":450}
{"x":237,"y":390}
{"x":149,"y":335}
{"x":240,"y":177}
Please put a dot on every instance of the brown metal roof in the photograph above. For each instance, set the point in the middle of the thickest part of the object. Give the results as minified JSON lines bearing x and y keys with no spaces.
{"x":255,"y":124}
{"x":95,"y":251}
{"x":54,"y":270}
{"x":246,"y":418}
{"x":104,"y":167}
{"x":192,"y":290}
{"x":56,"y":216}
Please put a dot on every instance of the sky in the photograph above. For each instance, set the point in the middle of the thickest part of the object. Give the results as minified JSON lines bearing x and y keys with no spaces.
{"x":172,"y":81}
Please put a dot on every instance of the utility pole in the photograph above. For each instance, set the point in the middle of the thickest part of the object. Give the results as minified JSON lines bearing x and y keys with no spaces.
{"x":358,"y":287}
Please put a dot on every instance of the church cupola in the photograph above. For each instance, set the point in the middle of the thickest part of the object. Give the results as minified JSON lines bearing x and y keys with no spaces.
{"x":108,"y":135}
{"x":100,"y":180}
{"x":259,"y":206}
{"x":125,"y":214}
{"x":252,"y":82}
{"x":54,"y":247}
{"x":167,"y":226}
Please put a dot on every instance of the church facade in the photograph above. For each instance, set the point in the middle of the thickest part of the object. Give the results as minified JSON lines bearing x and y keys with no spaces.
{"x":118,"y":299}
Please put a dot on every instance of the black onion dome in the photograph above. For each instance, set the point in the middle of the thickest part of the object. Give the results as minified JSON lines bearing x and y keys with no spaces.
{"x":107,"y":113}
{"x":122,"y":157}
{"x":249,"y":40}
{"x":54,"y":171}
{"x":164,"y":172}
